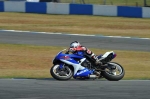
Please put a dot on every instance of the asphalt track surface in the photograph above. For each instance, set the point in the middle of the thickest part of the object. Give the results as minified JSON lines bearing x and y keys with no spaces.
{"x":101,"y":42}
{"x":72,"y":89}
{"x":51,"y":89}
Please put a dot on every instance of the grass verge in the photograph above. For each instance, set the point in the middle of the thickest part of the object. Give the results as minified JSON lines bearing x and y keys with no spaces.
{"x":111,"y":2}
{"x":81,"y":24}
{"x":28,"y":61}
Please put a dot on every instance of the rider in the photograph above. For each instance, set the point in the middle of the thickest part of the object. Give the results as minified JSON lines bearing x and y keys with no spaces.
{"x":76,"y":46}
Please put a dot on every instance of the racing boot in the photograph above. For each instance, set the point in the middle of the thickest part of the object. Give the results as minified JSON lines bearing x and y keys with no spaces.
{"x":97,"y":61}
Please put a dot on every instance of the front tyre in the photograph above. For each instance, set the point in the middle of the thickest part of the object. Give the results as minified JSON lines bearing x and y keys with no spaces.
{"x":61,"y":74}
{"x":115,"y":74}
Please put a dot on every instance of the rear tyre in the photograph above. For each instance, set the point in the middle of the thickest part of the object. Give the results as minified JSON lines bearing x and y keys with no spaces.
{"x":61,"y":74}
{"x":114,"y":75}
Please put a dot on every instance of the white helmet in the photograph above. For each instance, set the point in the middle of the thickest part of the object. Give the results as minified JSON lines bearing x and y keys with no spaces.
{"x":74,"y":44}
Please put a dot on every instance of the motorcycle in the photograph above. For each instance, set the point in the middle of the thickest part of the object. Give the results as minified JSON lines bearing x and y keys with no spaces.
{"x":81,"y":67}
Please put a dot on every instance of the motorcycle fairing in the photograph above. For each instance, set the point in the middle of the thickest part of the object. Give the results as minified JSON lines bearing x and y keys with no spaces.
{"x":59,"y":55}
{"x":83,"y":73}
{"x":69,"y":59}
{"x":75,"y":65}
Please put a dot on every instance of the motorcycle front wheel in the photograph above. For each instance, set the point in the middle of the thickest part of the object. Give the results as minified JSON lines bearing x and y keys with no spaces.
{"x":61,"y":74}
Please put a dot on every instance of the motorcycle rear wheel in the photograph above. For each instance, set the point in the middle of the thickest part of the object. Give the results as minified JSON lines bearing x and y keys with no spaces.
{"x":64,"y":74}
{"x":114,"y":76}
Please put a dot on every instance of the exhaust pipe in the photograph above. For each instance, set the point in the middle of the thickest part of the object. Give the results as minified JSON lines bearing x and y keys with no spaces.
{"x":93,"y":76}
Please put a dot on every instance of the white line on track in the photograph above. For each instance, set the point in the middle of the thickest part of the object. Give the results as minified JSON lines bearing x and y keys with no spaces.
{"x":75,"y":34}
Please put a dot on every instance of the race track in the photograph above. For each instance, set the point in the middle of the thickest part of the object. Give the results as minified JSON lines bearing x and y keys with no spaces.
{"x":52,"y":89}
{"x":102,"y":42}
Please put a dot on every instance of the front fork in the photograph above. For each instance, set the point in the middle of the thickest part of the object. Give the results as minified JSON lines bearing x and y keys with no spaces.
{"x":61,"y":66}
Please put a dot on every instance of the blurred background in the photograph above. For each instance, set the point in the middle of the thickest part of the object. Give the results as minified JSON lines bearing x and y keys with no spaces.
{"x":111,"y":2}
{"x":138,"y":3}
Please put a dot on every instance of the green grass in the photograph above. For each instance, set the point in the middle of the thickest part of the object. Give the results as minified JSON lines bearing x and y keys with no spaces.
{"x":28,"y":61}
{"x":111,"y":2}
{"x":81,"y":24}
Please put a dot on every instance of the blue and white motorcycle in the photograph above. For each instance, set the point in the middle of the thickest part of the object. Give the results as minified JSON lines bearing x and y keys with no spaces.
{"x":81,"y":67}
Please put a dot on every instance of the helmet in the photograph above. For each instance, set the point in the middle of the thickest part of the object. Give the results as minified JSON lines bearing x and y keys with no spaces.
{"x":75,"y":44}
